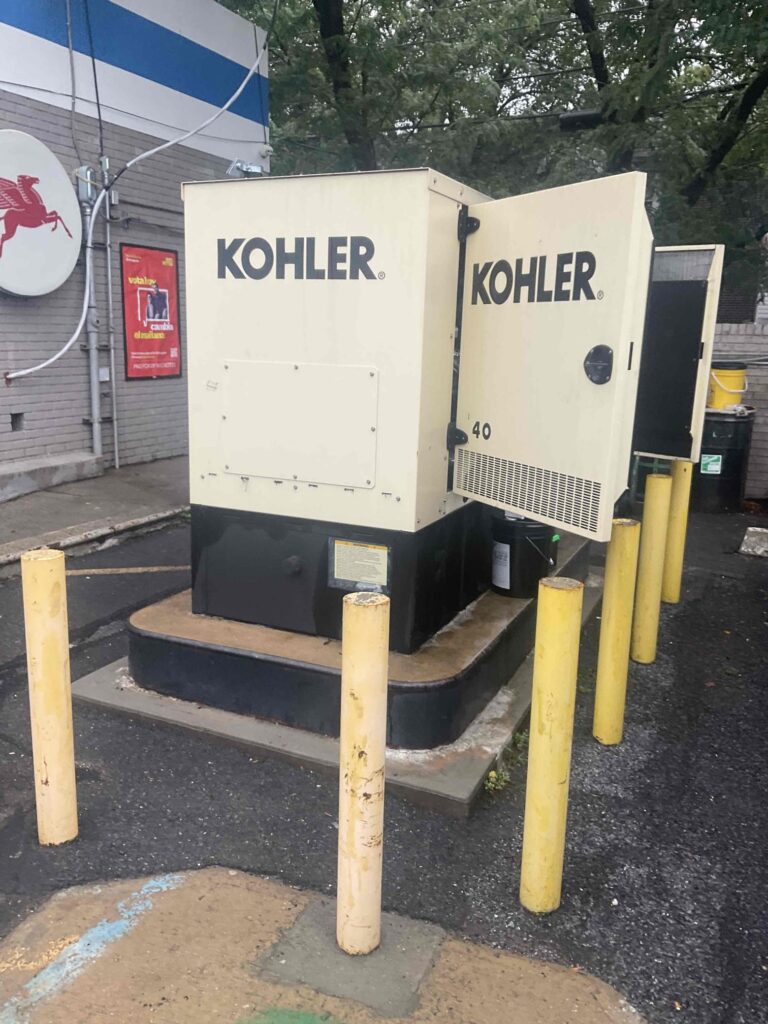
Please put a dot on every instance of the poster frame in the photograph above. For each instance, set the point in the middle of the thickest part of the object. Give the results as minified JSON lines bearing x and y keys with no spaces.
{"x":159,"y":376}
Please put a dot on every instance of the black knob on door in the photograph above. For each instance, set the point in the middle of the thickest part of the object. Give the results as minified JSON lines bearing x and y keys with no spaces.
{"x":598,"y":364}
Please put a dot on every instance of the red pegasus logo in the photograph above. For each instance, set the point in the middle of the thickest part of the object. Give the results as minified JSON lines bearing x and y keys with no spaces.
{"x":24,"y":208}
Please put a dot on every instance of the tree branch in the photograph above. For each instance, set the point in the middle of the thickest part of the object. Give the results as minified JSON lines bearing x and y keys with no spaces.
{"x":585,"y":12}
{"x":732,"y":123}
{"x":658,"y":36}
{"x":330,"y":16}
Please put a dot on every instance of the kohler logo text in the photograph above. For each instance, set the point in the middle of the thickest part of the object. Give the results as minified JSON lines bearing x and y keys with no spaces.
{"x":566,"y":279}
{"x":338,"y":258}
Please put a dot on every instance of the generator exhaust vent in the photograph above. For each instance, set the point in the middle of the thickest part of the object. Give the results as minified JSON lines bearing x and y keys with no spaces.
{"x":542,"y":493}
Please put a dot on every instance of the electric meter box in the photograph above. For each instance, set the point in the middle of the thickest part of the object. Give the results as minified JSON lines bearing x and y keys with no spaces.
{"x":321,"y":335}
{"x":369,"y":352}
{"x":677,"y":351}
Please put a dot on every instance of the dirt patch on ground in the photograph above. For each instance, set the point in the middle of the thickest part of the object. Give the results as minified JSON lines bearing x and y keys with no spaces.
{"x":186,"y":947}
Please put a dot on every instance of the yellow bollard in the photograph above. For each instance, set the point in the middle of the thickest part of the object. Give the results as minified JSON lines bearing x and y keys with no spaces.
{"x":50,"y":694}
{"x":362,"y":745}
{"x":615,"y":631}
{"x":650,"y":568}
{"x":556,"y":659}
{"x":672,"y":580}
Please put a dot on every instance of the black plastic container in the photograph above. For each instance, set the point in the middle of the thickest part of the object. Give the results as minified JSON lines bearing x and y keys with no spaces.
{"x":721,"y":475}
{"x":523,"y":552}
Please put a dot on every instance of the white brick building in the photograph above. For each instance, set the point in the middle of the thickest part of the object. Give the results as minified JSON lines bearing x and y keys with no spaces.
{"x":204,"y":52}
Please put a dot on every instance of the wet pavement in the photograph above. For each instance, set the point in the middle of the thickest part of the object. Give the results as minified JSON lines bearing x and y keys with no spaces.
{"x":665,"y":876}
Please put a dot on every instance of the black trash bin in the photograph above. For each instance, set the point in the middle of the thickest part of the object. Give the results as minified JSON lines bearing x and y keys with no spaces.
{"x":721,"y":474}
{"x":523,"y":552}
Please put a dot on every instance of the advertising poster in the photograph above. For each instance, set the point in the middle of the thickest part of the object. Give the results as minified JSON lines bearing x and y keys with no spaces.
{"x":150,"y":312}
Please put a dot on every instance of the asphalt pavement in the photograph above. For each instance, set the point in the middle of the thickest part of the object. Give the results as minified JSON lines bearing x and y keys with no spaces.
{"x":665,"y":876}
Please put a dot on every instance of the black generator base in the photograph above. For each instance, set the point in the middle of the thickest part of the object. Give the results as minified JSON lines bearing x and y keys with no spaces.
{"x":294,"y":679}
{"x":278,"y":571}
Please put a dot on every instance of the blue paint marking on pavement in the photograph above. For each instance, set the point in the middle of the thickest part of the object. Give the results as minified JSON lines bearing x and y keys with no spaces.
{"x":73,"y":960}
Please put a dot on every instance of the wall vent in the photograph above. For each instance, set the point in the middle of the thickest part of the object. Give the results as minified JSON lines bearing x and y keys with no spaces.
{"x":542,"y":493}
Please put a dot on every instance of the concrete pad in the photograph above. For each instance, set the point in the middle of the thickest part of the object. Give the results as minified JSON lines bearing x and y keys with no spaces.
{"x":447,"y":779}
{"x":386,"y":980}
{"x":755,"y":542}
{"x":191,"y":947}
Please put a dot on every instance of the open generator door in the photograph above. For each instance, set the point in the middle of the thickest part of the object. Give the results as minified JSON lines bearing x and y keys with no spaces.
{"x":677,"y":351}
{"x":554,"y":300}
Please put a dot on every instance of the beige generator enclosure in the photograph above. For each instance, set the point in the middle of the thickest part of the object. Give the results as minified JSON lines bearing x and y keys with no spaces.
{"x":321,"y":317}
{"x":553,"y":311}
{"x":322,"y":324}
{"x":367,"y":353}
{"x":677,"y":351}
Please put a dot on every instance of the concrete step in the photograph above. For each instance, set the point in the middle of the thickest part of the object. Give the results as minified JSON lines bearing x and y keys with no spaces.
{"x":27,"y":475}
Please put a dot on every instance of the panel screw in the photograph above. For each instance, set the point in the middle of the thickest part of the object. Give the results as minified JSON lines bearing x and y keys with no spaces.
{"x":368,"y":482}
{"x":226,"y":366}
{"x":371,"y":374}
{"x":295,"y":366}
{"x":223,"y":417}
{"x":397,"y":499}
{"x":226,"y":467}
{"x":373,"y":430}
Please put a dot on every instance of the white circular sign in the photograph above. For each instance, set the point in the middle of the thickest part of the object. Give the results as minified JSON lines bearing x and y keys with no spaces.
{"x":40,"y":226}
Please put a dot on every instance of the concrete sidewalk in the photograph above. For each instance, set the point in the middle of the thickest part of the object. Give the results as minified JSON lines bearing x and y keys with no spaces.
{"x":224,"y":947}
{"x":89,"y":510}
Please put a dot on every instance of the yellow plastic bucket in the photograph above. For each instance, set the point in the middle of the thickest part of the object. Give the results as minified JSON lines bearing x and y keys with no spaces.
{"x":727,"y":384}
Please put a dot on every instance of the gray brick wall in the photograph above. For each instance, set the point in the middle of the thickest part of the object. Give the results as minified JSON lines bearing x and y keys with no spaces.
{"x":744,"y":341}
{"x":152,"y":415}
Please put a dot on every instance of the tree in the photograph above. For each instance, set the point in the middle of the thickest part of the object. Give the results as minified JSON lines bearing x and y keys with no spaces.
{"x":510,"y":96}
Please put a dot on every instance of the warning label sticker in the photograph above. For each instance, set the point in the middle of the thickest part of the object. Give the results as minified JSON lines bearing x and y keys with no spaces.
{"x":357,"y":565}
{"x":500,"y":573}
{"x":712,"y":464}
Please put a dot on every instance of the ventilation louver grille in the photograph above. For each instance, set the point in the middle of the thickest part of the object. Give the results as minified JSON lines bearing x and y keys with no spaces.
{"x":540,"y":492}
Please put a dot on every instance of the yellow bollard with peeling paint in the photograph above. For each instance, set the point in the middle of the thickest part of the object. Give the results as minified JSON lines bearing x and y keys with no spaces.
{"x":362,"y":746}
{"x":650,"y":568}
{"x":672,"y":580}
{"x":555,"y":667}
{"x":615,"y":631}
{"x":50,"y":694}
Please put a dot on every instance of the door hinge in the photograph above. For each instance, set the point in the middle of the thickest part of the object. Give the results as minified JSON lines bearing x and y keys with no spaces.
{"x":455,"y":436}
{"x":467,"y":225}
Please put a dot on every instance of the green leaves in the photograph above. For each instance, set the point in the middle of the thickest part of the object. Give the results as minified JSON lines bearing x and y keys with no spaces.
{"x":475,"y":87}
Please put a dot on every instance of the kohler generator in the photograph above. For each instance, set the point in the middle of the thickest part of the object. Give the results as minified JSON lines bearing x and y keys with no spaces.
{"x":375,"y":358}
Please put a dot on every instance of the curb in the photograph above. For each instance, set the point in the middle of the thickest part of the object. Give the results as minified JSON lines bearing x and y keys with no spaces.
{"x":84,"y":533}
